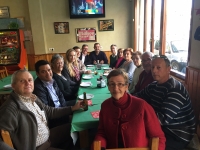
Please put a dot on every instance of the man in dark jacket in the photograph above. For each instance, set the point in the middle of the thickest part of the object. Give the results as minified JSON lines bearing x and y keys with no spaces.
{"x":84,"y":55}
{"x":48,"y":91}
{"x":24,"y":116}
{"x":46,"y":88}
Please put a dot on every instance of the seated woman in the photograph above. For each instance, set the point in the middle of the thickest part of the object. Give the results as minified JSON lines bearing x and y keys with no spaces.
{"x":137,"y":62}
{"x":126,"y":121}
{"x":69,"y":93}
{"x":128,"y":65}
{"x":120,"y":59}
{"x":71,"y":68}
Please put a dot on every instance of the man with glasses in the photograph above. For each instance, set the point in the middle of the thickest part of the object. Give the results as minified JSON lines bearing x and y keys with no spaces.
{"x":84,"y":55}
{"x":145,"y":77}
{"x":172,"y":104}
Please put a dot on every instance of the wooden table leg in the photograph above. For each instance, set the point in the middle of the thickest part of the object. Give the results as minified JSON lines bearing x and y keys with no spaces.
{"x":84,"y":139}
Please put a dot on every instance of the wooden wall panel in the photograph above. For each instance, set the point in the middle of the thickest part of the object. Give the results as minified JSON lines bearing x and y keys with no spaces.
{"x":193,"y":86}
{"x":32,"y":59}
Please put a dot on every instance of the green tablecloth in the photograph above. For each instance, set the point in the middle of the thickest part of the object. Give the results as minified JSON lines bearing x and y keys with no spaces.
{"x":83,"y":120}
{"x":7,"y":80}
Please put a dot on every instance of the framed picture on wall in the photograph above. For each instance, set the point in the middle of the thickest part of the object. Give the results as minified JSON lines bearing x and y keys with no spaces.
{"x":4,"y":12}
{"x":106,"y":25}
{"x":86,"y":35}
{"x":61,"y":27}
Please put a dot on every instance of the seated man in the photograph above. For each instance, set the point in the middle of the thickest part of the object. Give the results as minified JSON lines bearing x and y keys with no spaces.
{"x":113,"y":56}
{"x":172,"y":104}
{"x":25,"y":118}
{"x":98,"y":55}
{"x":84,"y":55}
{"x":145,"y":77}
{"x":47,"y":89}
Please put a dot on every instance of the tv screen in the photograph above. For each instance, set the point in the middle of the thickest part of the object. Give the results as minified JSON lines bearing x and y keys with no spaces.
{"x":87,"y":8}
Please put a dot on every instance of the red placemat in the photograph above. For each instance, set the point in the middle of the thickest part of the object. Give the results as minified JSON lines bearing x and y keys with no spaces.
{"x":89,"y":102}
{"x":95,"y":114}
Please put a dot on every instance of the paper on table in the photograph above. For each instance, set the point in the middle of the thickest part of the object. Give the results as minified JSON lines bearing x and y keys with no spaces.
{"x":89,"y":102}
{"x":95,"y":114}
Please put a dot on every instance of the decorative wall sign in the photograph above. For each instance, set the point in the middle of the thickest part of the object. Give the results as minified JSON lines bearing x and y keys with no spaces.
{"x":61,"y":27}
{"x":86,"y":34}
{"x":4,"y":12}
{"x":106,"y":25}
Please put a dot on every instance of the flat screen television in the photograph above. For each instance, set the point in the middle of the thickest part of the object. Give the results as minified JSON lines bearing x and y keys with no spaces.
{"x":87,"y":8}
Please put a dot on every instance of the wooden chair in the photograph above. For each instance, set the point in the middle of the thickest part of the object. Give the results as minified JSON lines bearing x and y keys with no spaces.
{"x":6,"y":138}
{"x":3,"y":73}
{"x":153,"y":146}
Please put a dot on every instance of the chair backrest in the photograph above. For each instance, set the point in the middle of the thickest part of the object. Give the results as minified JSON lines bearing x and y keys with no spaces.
{"x":153,"y":145}
{"x":3,"y":73}
{"x":6,"y":138}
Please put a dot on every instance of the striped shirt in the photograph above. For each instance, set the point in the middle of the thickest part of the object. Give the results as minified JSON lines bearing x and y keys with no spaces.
{"x":172,"y":105}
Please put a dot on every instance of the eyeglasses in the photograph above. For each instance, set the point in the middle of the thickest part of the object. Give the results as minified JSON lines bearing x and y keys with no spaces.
{"x":120,"y":85}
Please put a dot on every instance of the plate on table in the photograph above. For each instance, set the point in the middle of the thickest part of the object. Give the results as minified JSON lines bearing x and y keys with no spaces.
{"x":106,"y":68}
{"x":88,"y":96}
{"x":7,"y":87}
{"x":90,"y":65}
{"x":104,"y":65}
{"x":106,"y":74}
{"x":87,"y":77}
{"x":85,"y":84}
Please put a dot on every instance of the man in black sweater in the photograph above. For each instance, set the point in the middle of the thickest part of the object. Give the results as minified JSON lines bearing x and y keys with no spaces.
{"x":172,"y":104}
{"x":98,"y":55}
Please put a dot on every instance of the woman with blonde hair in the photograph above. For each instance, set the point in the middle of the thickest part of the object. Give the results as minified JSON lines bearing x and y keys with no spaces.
{"x":71,"y":68}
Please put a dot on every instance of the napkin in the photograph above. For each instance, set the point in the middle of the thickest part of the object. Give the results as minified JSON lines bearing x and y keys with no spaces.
{"x":87,"y":82}
{"x":89,"y":102}
{"x":95,"y":114}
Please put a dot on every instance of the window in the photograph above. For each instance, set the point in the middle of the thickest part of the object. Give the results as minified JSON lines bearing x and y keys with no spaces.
{"x":163,"y":27}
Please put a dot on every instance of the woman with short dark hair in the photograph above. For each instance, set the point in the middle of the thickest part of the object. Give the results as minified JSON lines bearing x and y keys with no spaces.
{"x":126,"y":121}
{"x":69,"y":92}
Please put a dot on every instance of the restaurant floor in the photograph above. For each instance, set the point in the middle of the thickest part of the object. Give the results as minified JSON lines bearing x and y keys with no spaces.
{"x":91,"y":133}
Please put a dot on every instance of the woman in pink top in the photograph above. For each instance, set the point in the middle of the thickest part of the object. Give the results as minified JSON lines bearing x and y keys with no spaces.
{"x":120,"y":59}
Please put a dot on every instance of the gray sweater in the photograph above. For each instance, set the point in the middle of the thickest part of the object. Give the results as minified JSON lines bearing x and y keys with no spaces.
{"x":129,"y":68}
{"x":21,"y":123}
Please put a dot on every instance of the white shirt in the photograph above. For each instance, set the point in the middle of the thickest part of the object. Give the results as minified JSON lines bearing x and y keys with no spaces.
{"x":83,"y":58}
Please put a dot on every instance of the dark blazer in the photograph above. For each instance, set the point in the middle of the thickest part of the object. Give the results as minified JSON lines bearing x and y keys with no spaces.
{"x":64,"y":86}
{"x":42,"y":92}
{"x":87,"y":60}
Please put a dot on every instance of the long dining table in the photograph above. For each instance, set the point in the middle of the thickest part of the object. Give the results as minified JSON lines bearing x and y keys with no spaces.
{"x":83,"y":120}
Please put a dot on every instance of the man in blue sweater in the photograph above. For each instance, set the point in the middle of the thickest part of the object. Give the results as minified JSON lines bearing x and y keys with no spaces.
{"x":172,"y":104}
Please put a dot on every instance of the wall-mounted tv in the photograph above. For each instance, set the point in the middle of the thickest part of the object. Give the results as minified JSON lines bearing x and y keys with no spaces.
{"x":87,"y":8}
